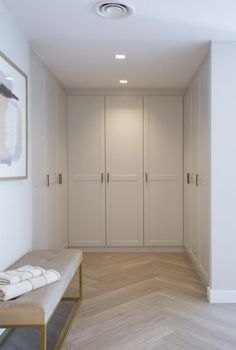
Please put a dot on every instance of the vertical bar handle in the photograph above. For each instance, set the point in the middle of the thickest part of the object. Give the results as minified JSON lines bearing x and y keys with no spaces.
{"x":102,"y":177}
{"x":108,"y":177}
{"x":146,"y":177}
{"x":197,"y":180}
{"x":47,"y":180}
{"x":188,"y":178}
{"x":60,"y":179}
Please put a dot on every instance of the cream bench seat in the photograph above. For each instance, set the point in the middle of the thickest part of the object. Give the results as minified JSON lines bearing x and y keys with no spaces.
{"x":35,"y":309}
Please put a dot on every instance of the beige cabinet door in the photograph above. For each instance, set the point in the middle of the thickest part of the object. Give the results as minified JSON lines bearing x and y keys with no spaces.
{"x":189,"y":177}
{"x":195,"y":166}
{"x":163,"y":170}
{"x":204,"y":172}
{"x":197,"y":158}
{"x":124,"y":170}
{"x":38,"y":146}
{"x":61,"y":171}
{"x":86,"y":151}
{"x":50,"y":153}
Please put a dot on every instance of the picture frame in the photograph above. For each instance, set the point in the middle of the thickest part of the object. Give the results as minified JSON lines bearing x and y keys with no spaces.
{"x":13,"y":121}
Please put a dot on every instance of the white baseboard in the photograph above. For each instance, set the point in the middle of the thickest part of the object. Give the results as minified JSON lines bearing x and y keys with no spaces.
{"x":131,"y":249}
{"x":221,"y":296}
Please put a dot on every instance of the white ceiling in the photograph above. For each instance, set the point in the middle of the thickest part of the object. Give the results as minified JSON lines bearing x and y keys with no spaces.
{"x":164,"y":41}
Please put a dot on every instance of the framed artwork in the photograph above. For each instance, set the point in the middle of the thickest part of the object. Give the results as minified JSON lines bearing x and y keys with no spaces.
{"x":13,"y":121}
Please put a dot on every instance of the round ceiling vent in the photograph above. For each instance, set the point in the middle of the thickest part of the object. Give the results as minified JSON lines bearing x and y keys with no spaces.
{"x":113,"y":10}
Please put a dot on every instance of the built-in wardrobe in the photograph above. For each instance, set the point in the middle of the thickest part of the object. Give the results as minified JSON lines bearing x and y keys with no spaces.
{"x":125,"y":171}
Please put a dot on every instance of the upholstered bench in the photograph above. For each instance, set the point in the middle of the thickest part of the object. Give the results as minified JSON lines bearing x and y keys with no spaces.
{"x":34,"y":309}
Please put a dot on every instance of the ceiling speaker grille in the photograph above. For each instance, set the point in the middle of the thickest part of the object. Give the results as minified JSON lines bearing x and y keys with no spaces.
{"x":114,"y":10}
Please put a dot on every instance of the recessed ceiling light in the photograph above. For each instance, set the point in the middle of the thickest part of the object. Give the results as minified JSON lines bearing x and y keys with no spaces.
{"x":123,"y":81}
{"x":9,"y":77}
{"x":113,"y":10}
{"x":120,"y":57}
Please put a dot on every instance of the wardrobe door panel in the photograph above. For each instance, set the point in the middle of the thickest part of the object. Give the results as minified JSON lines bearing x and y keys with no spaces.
{"x":195,"y":166}
{"x":188,"y":175}
{"x":197,"y":210}
{"x":61,"y":202}
{"x":86,"y":152}
{"x":204,"y":170}
{"x":163,"y":157}
{"x":124,"y":168}
{"x":38,"y":173}
{"x":50,"y":150}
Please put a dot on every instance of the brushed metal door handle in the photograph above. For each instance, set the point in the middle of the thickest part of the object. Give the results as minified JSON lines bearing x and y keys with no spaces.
{"x":197,"y":180}
{"x":108,"y":177}
{"x":146,"y":177}
{"x":188,"y":178}
{"x":60,"y":179}
{"x":102,"y":177}
{"x":47,"y":180}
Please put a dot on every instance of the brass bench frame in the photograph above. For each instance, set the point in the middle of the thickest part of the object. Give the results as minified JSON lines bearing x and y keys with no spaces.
{"x":43,"y":328}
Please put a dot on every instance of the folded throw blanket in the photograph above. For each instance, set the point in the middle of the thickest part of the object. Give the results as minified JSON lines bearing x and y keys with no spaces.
{"x":21,"y":274}
{"x":11,"y":291}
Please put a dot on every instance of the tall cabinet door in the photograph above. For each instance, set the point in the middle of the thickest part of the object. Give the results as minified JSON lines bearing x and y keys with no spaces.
{"x":188,"y":175}
{"x":86,"y":152}
{"x":204,"y":171}
{"x":61,"y":170}
{"x":195,"y":166}
{"x":50,"y":150}
{"x":197,"y":162}
{"x":38,"y":173}
{"x":124,"y":170}
{"x":163,"y":170}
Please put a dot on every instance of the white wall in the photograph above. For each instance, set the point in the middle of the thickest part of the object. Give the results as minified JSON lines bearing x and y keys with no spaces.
{"x":223,"y":149}
{"x":15,"y":196}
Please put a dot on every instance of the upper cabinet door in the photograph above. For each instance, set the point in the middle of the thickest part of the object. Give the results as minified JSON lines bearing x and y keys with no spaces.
{"x":124,"y":170}
{"x":163,"y":170}
{"x":86,"y":151}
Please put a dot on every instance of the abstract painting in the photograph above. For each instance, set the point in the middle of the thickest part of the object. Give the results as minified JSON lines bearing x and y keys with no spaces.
{"x":13,"y":121}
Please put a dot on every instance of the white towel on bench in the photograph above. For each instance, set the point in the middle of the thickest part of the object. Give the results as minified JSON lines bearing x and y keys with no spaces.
{"x":12,"y":291}
{"x":21,"y":274}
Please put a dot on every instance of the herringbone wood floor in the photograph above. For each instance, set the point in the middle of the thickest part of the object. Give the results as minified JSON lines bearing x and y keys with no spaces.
{"x":147,"y":302}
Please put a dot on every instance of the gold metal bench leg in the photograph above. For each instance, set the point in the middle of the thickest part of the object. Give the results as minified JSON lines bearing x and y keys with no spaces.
{"x":43,"y":337}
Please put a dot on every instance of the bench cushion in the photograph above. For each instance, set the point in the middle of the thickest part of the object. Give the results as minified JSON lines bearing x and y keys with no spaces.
{"x":36,"y":307}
